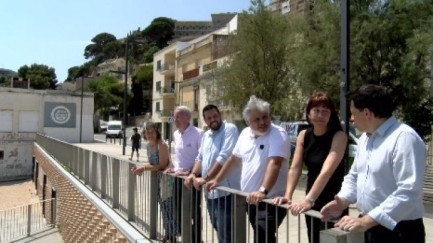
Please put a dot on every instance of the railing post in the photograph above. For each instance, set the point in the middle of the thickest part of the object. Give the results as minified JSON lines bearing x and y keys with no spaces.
{"x":87,"y":163}
{"x":82,"y":164}
{"x":132,"y":189}
{"x":153,"y":204}
{"x":29,"y":219}
{"x":95,"y":158}
{"x":239,"y":220}
{"x":187,"y":204}
{"x":336,"y":235}
{"x":115,"y":179}
{"x":104,"y":176}
{"x":53,"y":207}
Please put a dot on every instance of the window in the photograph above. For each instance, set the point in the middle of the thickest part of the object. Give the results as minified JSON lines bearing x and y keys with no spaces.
{"x":6,"y":121}
{"x":2,"y":155}
{"x":158,"y":65}
{"x":157,"y":106}
{"x":197,"y":63}
{"x":196,"y":98}
{"x":158,"y":86}
{"x":28,"y":121}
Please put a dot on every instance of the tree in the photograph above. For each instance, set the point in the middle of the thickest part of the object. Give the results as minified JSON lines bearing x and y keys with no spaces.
{"x":102,"y":48}
{"x":142,"y":88}
{"x":258,"y":64}
{"x":160,"y":31}
{"x":73,"y":74}
{"x":41,"y":76}
{"x":388,"y":47}
{"x":108,"y":94}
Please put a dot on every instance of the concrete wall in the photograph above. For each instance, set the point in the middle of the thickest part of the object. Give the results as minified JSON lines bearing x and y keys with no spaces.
{"x":23,"y":114}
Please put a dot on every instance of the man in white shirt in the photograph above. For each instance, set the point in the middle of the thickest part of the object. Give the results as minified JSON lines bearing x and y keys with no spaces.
{"x":386,"y":179}
{"x":187,"y":140}
{"x":262,"y":149}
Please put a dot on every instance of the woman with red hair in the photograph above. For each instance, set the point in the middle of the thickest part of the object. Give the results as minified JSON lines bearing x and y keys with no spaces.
{"x":321,"y":148}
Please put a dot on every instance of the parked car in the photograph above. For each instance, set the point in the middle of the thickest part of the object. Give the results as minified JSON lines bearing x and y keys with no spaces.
{"x":295,"y":127}
{"x":103,"y":126}
{"x":114,"y":129}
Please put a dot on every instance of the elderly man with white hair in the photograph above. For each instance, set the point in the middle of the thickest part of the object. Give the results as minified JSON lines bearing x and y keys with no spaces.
{"x":262,"y":149}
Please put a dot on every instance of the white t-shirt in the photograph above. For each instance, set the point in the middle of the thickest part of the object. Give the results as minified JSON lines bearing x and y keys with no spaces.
{"x":255,"y":153}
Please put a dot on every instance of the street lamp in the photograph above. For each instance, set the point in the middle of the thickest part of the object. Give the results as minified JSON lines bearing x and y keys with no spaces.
{"x":125,"y":73}
{"x":345,"y":68}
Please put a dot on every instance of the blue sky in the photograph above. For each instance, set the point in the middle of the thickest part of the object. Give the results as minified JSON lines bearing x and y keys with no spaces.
{"x":55,"y":33}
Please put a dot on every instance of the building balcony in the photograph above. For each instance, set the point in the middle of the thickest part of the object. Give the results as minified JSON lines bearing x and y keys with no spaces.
{"x":167,"y":90}
{"x":167,"y":69}
{"x":216,"y":54}
{"x":192,"y":105}
{"x":191,"y":73}
{"x":210,"y":66}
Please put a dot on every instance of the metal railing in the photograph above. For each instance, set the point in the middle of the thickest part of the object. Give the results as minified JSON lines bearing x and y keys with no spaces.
{"x":161,"y":206}
{"x":22,"y":221}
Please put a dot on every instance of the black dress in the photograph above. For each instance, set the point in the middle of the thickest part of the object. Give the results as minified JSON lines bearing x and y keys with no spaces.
{"x":316,"y":149}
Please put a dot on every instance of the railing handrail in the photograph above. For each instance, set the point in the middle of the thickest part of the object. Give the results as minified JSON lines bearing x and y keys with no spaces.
{"x":26,"y":205}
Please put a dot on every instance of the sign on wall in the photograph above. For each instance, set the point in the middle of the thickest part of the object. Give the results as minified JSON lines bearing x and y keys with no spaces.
{"x":59,"y":114}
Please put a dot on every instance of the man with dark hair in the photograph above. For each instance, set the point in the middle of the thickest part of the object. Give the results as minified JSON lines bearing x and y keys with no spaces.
{"x":136,"y":143}
{"x":386,"y":178}
{"x":216,"y":146}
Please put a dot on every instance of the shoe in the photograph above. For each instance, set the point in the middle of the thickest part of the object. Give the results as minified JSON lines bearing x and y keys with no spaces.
{"x":130,"y":158}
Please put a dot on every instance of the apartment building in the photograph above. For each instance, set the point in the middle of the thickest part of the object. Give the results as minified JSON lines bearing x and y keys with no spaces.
{"x":164,"y":95}
{"x":194,"y":68}
{"x":183,"y":76}
{"x":291,"y":6}
{"x":187,"y":30}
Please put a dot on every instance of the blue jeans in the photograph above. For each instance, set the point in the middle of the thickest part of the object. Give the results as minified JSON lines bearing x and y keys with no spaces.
{"x":220,"y":213}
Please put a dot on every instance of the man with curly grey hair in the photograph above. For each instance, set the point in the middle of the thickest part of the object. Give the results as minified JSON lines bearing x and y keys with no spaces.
{"x":263,"y":150}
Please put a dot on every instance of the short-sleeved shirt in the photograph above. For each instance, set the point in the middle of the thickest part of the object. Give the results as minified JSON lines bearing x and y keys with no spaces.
{"x":255,"y":154}
{"x":186,"y":147}
{"x":135,"y":139}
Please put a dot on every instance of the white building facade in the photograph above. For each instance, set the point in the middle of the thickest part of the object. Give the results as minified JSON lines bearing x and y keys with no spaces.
{"x":66,"y":116}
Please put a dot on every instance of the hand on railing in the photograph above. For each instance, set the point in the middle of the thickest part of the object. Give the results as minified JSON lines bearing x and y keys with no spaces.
{"x":138,"y":169}
{"x":255,"y":197}
{"x":189,"y":180}
{"x":198,"y":182}
{"x":181,"y":173}
{"x":300,"y":207}
{"x":212,"y":184}
{"x":281,"y":200}
{"x":333,"y":209}
{"x":169,"y":171}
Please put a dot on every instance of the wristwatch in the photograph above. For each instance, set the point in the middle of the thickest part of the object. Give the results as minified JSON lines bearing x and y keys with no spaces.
{"x":310,"y":199}
{"x":263,"y":190}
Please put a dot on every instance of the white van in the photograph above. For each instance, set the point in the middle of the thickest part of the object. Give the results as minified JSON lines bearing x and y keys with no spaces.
{"x":114,"y":129}
{"x":294,"y":128}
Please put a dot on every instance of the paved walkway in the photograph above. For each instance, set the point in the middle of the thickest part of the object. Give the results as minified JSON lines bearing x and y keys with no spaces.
{"x":20,"y":193}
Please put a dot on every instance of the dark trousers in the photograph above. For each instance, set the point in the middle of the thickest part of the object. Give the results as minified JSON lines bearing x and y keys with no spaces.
{"x":195,"y":211}
{"x":411,"y":231}
{"x":265,"y":220}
